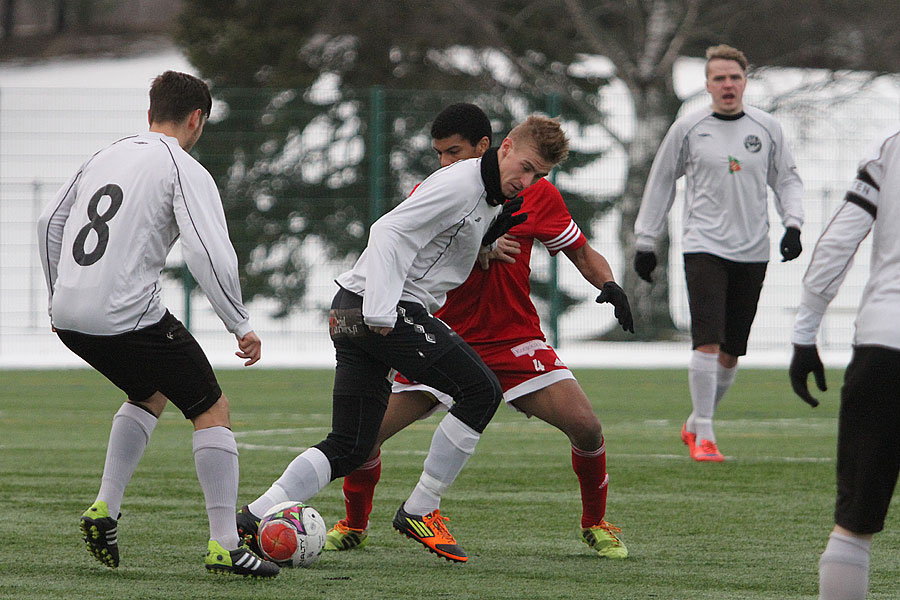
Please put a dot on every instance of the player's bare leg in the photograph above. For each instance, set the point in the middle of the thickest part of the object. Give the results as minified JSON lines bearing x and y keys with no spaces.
{"x":565,"y":406}
{"x":351,"y":532}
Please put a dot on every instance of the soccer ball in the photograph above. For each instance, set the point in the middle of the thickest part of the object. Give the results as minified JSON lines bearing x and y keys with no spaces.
{"x":292,"y":534}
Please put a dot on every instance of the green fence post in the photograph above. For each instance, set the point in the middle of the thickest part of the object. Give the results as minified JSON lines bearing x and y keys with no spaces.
{"x":553,"y":110}
{"x":376,"y":153}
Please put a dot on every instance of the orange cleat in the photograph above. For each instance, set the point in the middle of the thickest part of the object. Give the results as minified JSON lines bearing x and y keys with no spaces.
{"x":706,"y":451}
{"x":430,"y":531}
{"x":688,"y":438}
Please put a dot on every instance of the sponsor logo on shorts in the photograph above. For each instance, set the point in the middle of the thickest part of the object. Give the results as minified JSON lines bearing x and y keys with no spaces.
{"x":529,"y":348}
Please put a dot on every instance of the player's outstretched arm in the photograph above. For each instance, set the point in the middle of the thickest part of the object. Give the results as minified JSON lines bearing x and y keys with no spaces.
{"x":250,"y":347}
{"x":595,"y":268}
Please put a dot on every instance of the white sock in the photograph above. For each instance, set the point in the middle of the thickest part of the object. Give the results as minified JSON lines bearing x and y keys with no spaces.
{"x":844,"y":568}
{"x":128,"y":437}
{"x":724,"y":379}
{"x":216,"y":459}
{"x":702,"y":379}
{"x":451,"y":446}
{"x":304,"y":477}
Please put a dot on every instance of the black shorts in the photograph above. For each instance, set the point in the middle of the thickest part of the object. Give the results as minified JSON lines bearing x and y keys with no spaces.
{"x":163,"y":357}
{"x":868,"y":459}
{"x":723,"y":296}
{"x":421,"y":347}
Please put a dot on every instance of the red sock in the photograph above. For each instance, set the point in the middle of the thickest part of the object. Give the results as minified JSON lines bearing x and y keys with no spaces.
{"x":590,"y":467}
{"x":359,"y":489}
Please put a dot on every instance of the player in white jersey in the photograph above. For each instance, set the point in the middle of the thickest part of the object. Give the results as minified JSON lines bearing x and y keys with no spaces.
{"x":381,"y":321}
{"x":868,"y":458}
{"x":493,"y":312}
{"x":103,"y":244}
{"x":729,"y":153}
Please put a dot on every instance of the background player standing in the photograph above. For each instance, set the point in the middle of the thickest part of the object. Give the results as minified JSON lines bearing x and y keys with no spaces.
{"x":381,"y":320}
{"x":728,"y":153}
{"x":103,"y":243}
{"x":493,"y":312}
{"x":868,"y":456}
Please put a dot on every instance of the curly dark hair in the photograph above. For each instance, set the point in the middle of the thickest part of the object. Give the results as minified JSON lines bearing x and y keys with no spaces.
{"x":464,"y":119}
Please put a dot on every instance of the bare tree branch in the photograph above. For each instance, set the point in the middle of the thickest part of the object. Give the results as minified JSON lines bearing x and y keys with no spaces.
{"x":600,"y":43}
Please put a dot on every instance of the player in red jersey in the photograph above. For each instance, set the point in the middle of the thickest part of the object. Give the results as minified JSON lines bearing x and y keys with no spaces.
{"x":493,"y":312}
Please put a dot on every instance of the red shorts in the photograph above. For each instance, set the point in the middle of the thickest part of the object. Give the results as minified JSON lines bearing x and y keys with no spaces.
{"x":522,"y":368}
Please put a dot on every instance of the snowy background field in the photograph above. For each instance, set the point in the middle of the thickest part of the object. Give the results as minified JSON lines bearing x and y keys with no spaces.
{"x":49,"y":125}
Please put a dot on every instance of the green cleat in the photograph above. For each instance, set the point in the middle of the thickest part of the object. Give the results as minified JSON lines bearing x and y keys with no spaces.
{"x":604,"y":540}
{"x":342,"y":537}
{"x":99,"y":531}
{"x":237,"y":562}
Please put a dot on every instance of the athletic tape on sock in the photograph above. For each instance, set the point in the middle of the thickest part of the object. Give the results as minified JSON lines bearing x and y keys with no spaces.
{"x":459,"y":434}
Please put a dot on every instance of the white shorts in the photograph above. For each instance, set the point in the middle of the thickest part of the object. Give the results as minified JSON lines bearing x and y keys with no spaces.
{"x":521,"y":369}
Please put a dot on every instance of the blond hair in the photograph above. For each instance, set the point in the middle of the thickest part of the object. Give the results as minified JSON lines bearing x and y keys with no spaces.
{"x":544,"y":135}
{"x":726,"y":52}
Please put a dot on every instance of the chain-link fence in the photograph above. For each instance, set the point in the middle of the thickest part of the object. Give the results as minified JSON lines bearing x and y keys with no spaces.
{"x":45,"y":134}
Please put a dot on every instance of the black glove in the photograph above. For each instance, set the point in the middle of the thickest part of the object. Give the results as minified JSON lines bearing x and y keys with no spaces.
{"x":790,"y":244}
{"x":644,"y":263}
{"x":505,"y":221}
{"x":805,"y":361}
{"x":615,"y":295}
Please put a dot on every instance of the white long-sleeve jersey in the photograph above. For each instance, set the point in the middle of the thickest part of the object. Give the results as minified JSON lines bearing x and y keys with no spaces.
{"x":872,"y":204}
{"x":425,"y":246}
{"x":104,"y":240}
{"x":727,"y":163}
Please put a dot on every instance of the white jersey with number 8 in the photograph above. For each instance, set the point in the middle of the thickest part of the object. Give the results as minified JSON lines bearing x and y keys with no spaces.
{"x":104,"y":239}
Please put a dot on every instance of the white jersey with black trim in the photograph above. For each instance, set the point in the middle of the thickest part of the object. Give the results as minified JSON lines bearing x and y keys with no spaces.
{"x":727,"y":162}
{"x":425,"y":246}
{"x":872,"y":204}
{"x":104,"y":239}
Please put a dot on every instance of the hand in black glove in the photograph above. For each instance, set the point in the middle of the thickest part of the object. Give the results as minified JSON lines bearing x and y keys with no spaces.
{"x":805,"y":361}
{"x":505,"y":221}
{"x":644,"y":263}
{"x":612,"y":293}
{"x":790,"y":244}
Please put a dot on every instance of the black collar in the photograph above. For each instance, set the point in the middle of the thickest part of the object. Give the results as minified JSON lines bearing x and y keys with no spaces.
{"x":733,"y":117}
{"x":490,"y":175}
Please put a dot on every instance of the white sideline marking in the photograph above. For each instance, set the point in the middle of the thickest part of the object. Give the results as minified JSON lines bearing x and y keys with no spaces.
{"x":728,"y":458}
{"x":287,"y":431}
{"x":752,"y":423}
{"x":297,"y":449}
{"x":682,"y":457}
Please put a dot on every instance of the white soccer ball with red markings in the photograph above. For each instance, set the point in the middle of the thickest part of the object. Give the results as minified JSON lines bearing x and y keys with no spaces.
{"x":292,"y":534}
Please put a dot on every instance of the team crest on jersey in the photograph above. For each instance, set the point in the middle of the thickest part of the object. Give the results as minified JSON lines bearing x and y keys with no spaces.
{"x":752,"y":143}
{"x":734,"y":165}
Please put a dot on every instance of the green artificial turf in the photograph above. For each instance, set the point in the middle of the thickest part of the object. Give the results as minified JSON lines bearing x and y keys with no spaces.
{"x":750,"y":528}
